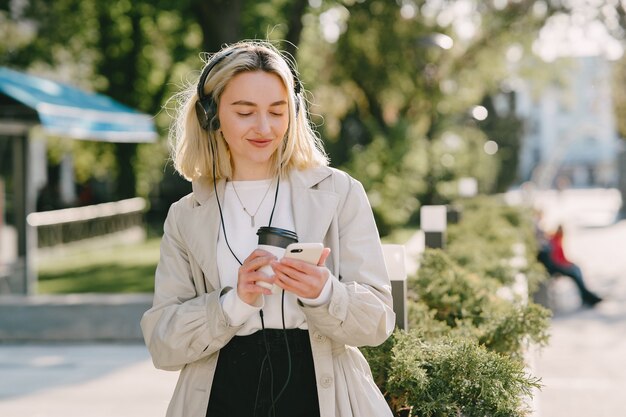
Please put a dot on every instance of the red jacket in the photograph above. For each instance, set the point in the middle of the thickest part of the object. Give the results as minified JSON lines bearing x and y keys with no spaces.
{"x":556,"y":250}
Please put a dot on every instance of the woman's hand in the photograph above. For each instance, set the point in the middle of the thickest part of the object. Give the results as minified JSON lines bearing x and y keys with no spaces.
{"x":302,"y":278}
{"x":249,"y":275}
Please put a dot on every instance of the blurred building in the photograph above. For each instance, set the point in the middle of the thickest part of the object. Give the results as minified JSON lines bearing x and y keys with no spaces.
{"x":570,"y":134}
{"x":570,"y":137}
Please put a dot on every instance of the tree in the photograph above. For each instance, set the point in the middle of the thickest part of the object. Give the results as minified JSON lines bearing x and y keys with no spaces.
{"x":405,"y":76}
{"x":134,"y":51}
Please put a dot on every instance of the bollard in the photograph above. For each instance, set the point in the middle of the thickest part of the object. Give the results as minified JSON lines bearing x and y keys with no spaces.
{"x":468,"y":187}
{"x":396,"y":268}
{"x":433,"y":221}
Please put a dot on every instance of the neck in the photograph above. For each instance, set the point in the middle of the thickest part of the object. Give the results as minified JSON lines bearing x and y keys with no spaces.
{"x":251,"y":174}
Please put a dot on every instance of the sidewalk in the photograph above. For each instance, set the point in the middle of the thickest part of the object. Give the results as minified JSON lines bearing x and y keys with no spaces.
{"x":104,"y":380}
{"x":584,"y":367}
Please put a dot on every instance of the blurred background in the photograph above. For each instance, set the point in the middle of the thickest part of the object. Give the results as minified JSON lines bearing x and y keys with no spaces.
{"x":411,"y":97}
{"x":424,"y":101}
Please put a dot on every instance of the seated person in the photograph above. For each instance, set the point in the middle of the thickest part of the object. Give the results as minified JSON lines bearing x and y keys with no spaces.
{"x":552,"y":256}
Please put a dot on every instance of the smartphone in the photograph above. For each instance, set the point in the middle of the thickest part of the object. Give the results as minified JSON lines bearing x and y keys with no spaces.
{"x":307,"y":252}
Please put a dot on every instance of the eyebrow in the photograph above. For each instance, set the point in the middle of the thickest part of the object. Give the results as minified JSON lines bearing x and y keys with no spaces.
{"x":249,"y":103}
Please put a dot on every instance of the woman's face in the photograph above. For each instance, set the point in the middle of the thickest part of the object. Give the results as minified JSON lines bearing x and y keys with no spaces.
{"x":254,"y":118}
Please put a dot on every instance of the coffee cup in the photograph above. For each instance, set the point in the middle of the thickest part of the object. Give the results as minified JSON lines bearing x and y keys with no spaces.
{"x":274,"y":240}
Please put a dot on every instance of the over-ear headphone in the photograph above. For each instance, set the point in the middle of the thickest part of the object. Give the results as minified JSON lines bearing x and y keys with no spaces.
{"x":206,"y":106}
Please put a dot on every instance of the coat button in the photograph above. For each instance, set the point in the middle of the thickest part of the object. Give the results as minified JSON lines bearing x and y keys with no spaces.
{"x":318,"y":337}
{"x":337,"y":310}
{"x":326,"y":381}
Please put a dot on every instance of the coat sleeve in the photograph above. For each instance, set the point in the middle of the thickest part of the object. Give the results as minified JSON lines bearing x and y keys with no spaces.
{"x":184,"y":324}
{"x":360,"y":310}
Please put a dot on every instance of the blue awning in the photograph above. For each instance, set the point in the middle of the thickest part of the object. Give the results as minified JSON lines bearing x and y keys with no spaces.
{"x":67,"y":111}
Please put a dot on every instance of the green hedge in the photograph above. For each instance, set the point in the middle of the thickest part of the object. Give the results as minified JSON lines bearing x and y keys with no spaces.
{"x":464,"y":352}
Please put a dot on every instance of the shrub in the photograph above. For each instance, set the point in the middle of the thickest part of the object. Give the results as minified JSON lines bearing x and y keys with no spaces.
{"x":468,"y":304}
{"x":464,"y":353}
{"x":452,"y":377}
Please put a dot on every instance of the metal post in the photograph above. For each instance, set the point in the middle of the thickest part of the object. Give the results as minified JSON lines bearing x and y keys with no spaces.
{"x":396,"y":268}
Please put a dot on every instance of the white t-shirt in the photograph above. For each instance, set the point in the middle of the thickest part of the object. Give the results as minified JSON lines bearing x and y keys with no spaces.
{"x":243,"y":240}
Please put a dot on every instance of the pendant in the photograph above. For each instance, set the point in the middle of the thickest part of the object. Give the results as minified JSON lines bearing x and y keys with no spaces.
{"x":252,"y":221}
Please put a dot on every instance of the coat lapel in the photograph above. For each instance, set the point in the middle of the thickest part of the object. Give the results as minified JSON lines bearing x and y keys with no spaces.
{"x":313,"y":208}
{"x":203,"y":227}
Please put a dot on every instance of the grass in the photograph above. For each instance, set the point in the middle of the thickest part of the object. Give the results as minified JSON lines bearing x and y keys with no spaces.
{"x":399,"y":236}
{"x":118,"y":269}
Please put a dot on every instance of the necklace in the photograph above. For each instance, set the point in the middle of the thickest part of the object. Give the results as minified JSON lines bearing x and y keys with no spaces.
{"x":259,"y":206}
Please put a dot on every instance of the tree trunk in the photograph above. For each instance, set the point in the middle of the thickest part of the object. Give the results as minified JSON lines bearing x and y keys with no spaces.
{"x":220,"y":21}
{"x":122,"y":72}
{"x":294,"y":22}
{"x":125,"y":154}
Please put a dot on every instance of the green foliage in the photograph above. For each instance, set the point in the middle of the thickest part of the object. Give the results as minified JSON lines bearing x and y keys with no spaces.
{"x":452,"y":377}
{"x":469,"y":305}
{"x":483,"y":242}
{"x":386,"y":180}
{"x":509,"y":327}
{"x":452,"y":292}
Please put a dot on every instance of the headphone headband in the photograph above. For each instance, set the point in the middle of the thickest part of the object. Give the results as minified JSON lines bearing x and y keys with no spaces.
{"x":206,"y":107}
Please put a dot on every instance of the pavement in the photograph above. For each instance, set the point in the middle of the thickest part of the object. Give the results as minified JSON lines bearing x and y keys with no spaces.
{"x":583,"y":368}
{"x":95,"y":380}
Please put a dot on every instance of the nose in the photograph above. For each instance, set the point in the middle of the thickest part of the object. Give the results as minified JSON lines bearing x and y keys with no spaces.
{"x":263,"y":126}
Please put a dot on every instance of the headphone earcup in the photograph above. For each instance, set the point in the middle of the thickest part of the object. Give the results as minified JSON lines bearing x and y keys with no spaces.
{"x":201,"y":113}
{"x":206,"y":111}
{"x":211,"y":113}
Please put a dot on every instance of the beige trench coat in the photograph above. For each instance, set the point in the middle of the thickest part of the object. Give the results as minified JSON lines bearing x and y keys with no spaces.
{"x":186,"y":327}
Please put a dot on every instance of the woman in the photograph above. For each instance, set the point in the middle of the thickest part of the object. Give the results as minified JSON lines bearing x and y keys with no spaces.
{"x":558,"y":263}
{"x":245,"y":142}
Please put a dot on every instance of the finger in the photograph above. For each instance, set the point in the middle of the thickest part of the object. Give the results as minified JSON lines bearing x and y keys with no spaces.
{"x":253,"y":277}
{"x":256,"y":254}
{"x":260,"y":290}
{"x":296,"y":264}
{"x":323,"y":257}
{"x":304,"y":289}
{"x":255,"y":263}
{"x":289,"y":284}
{"x":298,"y":270}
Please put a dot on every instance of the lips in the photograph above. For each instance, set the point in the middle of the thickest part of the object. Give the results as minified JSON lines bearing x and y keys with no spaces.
{"x":260,"y":142}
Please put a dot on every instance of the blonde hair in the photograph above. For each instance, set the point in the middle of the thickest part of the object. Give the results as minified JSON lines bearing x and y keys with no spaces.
{"x":301,"y":148}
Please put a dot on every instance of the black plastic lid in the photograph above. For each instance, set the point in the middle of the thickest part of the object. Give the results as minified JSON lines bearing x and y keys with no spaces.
{"x":275,"y":236}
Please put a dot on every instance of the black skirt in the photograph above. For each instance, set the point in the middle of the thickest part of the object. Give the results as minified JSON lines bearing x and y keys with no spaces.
{"x":267,"y":374}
